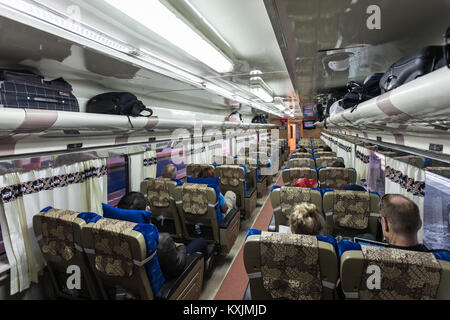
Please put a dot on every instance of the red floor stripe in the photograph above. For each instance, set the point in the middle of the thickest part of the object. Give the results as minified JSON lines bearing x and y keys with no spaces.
{"x":235,"y":283}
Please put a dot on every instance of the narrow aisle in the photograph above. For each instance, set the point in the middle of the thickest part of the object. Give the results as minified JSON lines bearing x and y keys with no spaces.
{"x":236,"y":280}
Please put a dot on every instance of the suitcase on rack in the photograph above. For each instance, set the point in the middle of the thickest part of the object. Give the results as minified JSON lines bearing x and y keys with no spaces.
{"x":26,"y":90}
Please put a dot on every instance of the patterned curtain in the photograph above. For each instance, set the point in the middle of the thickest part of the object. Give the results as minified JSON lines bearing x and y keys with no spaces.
{"x":80,"y":187}
{"x":407,"y":180}
{"x":142,"y":166}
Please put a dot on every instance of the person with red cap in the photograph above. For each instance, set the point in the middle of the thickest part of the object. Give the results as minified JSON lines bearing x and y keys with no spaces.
{"x":306,"y":183}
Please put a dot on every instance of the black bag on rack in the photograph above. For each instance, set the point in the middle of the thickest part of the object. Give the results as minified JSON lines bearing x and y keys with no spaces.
{"x":359,"y":93}
{"x":24,"y":89}
{"x":118,"y":103}
{"x":412,"y":67}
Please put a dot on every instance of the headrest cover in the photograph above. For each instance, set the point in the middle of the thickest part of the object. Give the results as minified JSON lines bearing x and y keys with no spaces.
{"x":57,"y":233}
{"x":290,"y":197}
{"x":404,"y":274}
{"x":301,"y":156}
{"x":335,"y":178}
{"x":158,"y":192}
{"x":292,"y":175}
{"x":290,"y":266}
{"x":231,"y":175}
{"x":192,"y":168}
{"x":301,"y":163}
{"x":112,"y":252}
{"x":195,"y":198}
{"x":326,"y":161}
{"x":351,"y":209}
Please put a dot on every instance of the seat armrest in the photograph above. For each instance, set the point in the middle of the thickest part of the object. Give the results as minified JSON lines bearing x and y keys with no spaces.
{"x":250,"y":192}
{"x":272,"y":226}
{"x":227,"y":220}
{"x":170,"y":286}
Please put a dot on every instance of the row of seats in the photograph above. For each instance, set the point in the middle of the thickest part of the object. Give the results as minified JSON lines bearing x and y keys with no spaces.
{"x":321,"y":162}
{"x":116,"y":259}
{"x":348,"y":213}
{"x":332,"y":178}
{"x":302,"y":267}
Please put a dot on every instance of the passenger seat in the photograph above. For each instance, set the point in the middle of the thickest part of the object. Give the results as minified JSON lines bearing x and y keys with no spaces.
{"x":124,"y":257}
{"x":290,"y":176}
{"x":301,"y":163}
{"x":351,"y":213}
{"x":403,"y":275}
{"x":336,"y":178}
{"x":191,"y":169}
{"x":325,"y":162}
{"x":285,"y":199}
{"x":292,"y":267}
{"x":159,"y":193}
{"x":60,"y":239}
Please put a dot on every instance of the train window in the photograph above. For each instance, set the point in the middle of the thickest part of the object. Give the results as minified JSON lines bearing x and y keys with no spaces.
{"x":436,"y":220}
{"x":171,"y":156}
{"x":117,"y":178}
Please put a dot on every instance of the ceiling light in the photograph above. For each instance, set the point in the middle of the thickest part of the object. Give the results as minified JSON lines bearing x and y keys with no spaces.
{"x":279,"y":104}
{"x":162,"y":21}
{"x":259,"y":88}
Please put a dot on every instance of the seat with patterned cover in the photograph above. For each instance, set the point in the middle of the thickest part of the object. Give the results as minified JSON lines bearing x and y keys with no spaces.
{"x":58,"y":233}
{"x":197,"y":206}
{"x":325,"y":162}
{"x":403,"y":275}
{"x":124,"y":258}
{"x":301,"y":155}
{"x":192,"y":170}
{"x":290,"y":176}
{"x":293,"y":267}
{"x":442,"y":171}
{"x":324,"y":154}
{"x":285,"y":199}
{"x":223,"y":160}
{"x":336,"y":178}
{"x":159,"y":193}
{"x":351,"y":213}
{"x":301,"y":163}
{"x":264,"y":162}
{"x":234,"y":178}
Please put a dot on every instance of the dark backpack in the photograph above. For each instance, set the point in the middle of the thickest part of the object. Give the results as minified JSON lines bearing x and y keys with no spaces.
{"x":359,"y":93}
{"x":118,"y":103}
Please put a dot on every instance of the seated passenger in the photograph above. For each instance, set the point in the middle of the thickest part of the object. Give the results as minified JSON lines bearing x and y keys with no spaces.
{"x":302,"y":150}
{"x":171,"y":255}
{"x":307,"y":220}
{"x":170,"y":172}
{"x":327,"y":149}
{"x":400,"y":221}
{"x":306,"y":183}
{"x":337,"y":164}
{"x":355,"y":187}
{"x":228,"y":202}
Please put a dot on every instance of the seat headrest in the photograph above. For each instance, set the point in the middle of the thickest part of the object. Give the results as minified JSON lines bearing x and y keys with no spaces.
{"x":290,"y":197}
{"x":195,"y":198}
{"x":158,"y":192}
{"x":336,"y":178}
{"x":231,"y":175}
{"x":112,"y":251}
{"x":57,"y":233}
{"x":290,"y":266}
{"x":300,"y":163}
{"x":294,"y":174}
{"x":404,"y":274}
{"x":351,"y":209}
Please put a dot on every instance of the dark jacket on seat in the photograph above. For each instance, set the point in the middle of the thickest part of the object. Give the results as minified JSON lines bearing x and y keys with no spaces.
{"x":172,"y":259}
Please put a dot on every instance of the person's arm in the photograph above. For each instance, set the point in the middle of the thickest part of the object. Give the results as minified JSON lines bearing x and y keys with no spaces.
{"x":172,"y":258}
{"x":222,"y":203}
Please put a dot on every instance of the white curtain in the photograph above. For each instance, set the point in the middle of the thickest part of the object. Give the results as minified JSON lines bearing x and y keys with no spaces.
{"x":362,"y":157}
{"x":82,"y":187}
{"x":142,"y":166}
{"x":346,"y":151}
{"x":394,"y":185}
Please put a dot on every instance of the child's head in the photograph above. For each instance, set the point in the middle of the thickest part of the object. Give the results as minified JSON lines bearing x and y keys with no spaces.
{"x":306,"y":219}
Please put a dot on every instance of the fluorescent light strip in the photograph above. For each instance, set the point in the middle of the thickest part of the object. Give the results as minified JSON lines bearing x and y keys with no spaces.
{"x":159,"y":19}
{"x":206,"y":22}
{"x":55,"y":18}
{"x":261,"y":93}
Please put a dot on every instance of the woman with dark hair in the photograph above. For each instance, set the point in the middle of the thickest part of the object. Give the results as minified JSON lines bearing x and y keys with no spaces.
{"x":171,"y":255}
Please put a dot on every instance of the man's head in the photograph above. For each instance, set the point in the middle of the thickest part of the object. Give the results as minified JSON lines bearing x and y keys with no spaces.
{"x":302,"y":150}
{"x":170,"y":172}
{"x":134,"y":201}
{"x":400,"y":220}
{"x":327,"y":149}
{"x":337,"y":164}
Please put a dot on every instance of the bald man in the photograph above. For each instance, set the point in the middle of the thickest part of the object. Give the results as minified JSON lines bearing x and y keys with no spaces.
{"x":170,"y":172}
{"x":400,"y":221}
